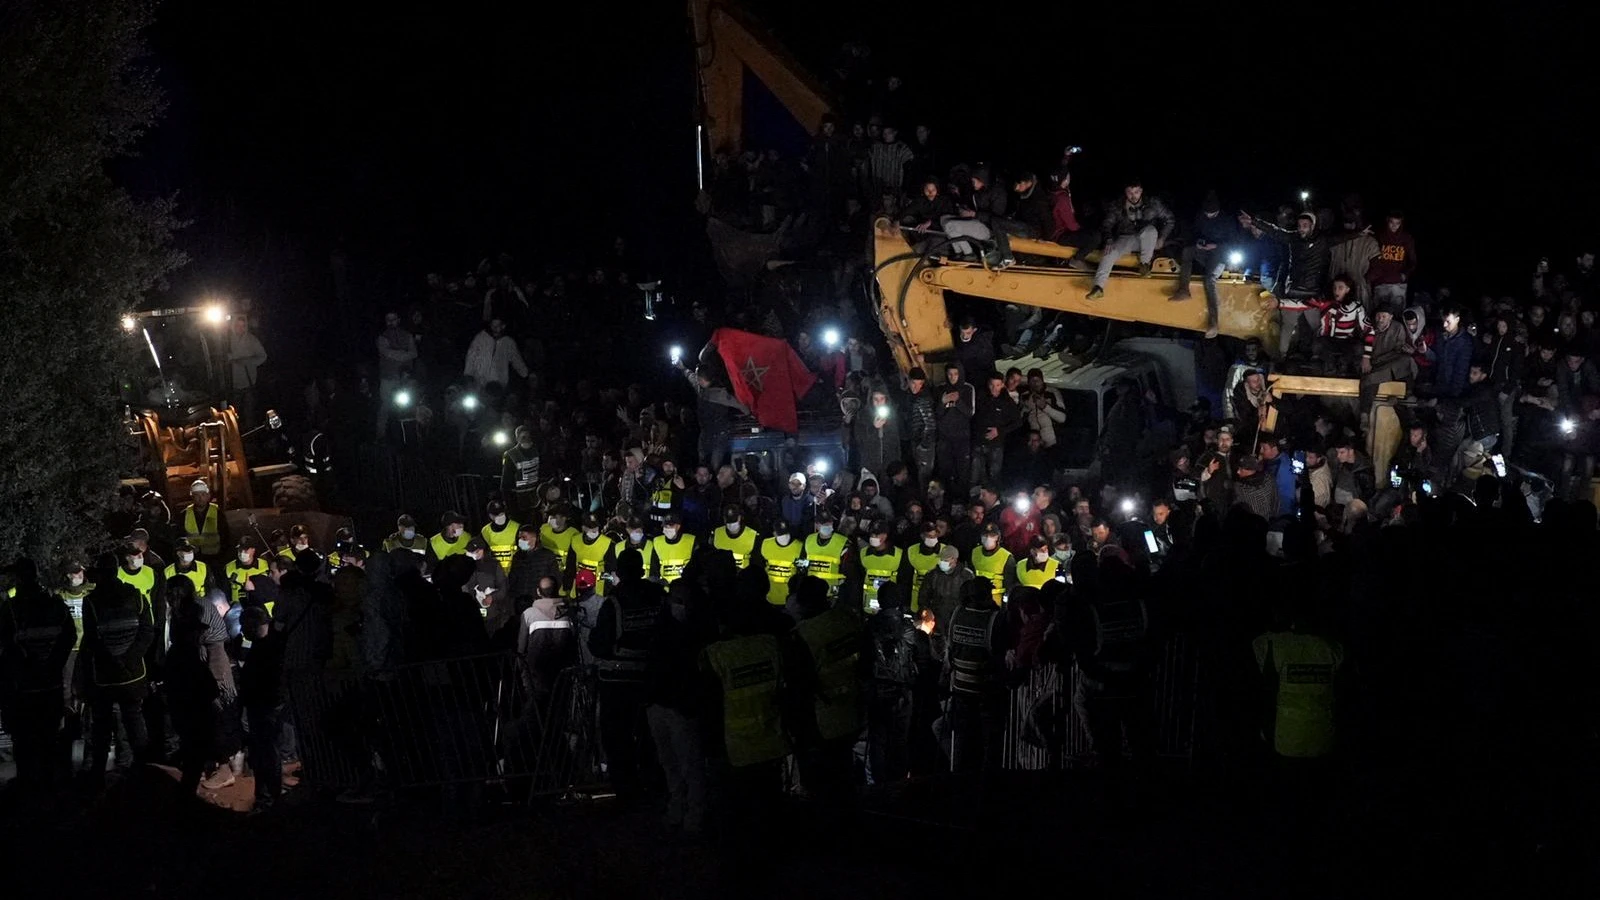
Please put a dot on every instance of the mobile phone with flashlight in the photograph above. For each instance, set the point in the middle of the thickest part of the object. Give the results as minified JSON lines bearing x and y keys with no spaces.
{"x":1394,"y":477}
{"x":675,"y":354}
{"x":1299,"y":463}
{"x":1150,"y":541}
{"x":1499,"y":465}
{"x":1427,"y":487}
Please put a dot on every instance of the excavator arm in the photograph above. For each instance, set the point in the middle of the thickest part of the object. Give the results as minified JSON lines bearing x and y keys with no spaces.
{"x":727,"y":43}
{"x":912,"y":307}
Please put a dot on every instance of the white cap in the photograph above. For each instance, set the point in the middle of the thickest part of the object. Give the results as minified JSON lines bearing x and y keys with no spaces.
{"x":200,"y":485}
{"x":798,"y":476}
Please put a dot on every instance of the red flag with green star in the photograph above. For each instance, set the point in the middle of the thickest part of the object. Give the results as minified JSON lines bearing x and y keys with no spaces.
{"x":767,"y":376}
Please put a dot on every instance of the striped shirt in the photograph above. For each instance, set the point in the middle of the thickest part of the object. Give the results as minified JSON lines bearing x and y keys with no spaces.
{"x":1347,"y":322}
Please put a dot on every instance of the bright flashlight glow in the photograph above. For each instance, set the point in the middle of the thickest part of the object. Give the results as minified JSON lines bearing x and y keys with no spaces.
{"x":883,"y":412}
{"x":1568,"y":426}
{"x":1021,"y":503}
{"x":129,"y":323}
{"x":1305,"y":195}
{"x":820,"y":467}
{"x":402,"y":398}
{"x":831,"y":337}
{"x":1236,"y":259}
{"x":1128,"y":506}
{"x":501,"y":438}
{"x":676,"y":352}
{"x":215,"y":314}
{"x":469,"y":402}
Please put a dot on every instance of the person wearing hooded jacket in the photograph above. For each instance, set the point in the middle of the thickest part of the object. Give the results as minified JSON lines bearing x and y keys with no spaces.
{"x":890,"y":658}
{"x":1301,"y":300}
{"x":37,"y":635}
{"x":980,"y":216}
{"x":118,"y":629}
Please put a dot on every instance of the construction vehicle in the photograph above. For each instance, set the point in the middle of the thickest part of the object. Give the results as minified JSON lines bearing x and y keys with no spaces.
{"x":181,"y":428}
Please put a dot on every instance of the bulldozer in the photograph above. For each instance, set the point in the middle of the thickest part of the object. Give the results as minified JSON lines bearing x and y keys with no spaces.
{"x":180,"y":429}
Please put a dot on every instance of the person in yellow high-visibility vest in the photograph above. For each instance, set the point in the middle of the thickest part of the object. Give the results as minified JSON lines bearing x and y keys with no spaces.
{"x":500,"y":534}
{"x":588,"y":553}
{"x":451,"y":539}
{"x":240,"y":573}
{"x":633,"y":537}
{"x":994,"y":562}
{"x":825,"y":552}
{"x":1039,"y":568}
{"x":202,"y":521}
{"x":881,"y":561}
{"x":922,"y":557}
{"x":671,"y":550}
{"x":780,"y":556}
{"x":733,"y":536}
{"x":556,"y":536}
{"x":198,"y":573}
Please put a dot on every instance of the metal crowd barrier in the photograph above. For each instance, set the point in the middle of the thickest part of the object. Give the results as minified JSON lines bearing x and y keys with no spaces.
{"x":1172,"y":689}
{"x":478,"y":719}
{"x":393,"y":481}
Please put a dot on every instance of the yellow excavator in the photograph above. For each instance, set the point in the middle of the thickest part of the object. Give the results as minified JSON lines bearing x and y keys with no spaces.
{"x":911,"y":285}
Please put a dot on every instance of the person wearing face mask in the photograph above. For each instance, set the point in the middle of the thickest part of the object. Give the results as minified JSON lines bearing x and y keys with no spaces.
{"x":240,"y":572}
{"x":37,"y":636}
{"x":488,"y":586}
{"x":74,"y":588}
{"x":519,"y":471}
{"x":451,"y":539}
{"x":670,"y":550}
{"x":922,"y":558}
{"x":405,"y":537}
{"x":343,"y":537}
{"x":1061,"y":551}
{"x":1039,"y":567}
{"x":500,"y":534}
{"x":620,"y":643}
{"x":557,"y":537}
{"x":189,"y":566}
{"x":994,"y":562}
{"x":881,"y":562}
{"x":734,"y":537}
{"x":632,"y":536}
{"x":304,"y":557}
{"x":118,"y":632}
{"x":529,"y":564}
{"x":202,"y":521}
{"x":940,"y":592}
{"x":590,"y":550}
{"x":780,"y":556}
{"x":825,"y":553}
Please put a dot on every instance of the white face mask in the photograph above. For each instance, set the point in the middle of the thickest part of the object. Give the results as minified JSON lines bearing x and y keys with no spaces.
{"x":875,"y":542}
{"x":591,"y":533}
{"x":135,"y":564}
{"x":407,"y":534}
{"x":783,"y":539}
{"x":244,"y":558}
{"x":734,"y":528}
{"x":989,"y":543}
{"x":1041,"y":558}
{"x":947,"y":566}
{"x":636,"y":536}
{"x":524,"y":545}
{"x":930,"y":543}
{"x":824,"y":531}
{"x":500,"y":521}
{"x":186,"y":558}
{"x":302,"y":546}
{"x":75,"y":580}
{"x":670,"y":534}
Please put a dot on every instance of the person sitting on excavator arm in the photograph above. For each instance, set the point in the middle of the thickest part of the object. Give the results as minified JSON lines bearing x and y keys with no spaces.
{"x":981,"y":218}
{"x":1301,"y":300}
{"x":925,"y":211}
{"x":1137,"y":223}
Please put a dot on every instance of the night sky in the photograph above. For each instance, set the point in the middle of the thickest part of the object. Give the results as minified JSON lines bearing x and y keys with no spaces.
{"x":423,"y":141}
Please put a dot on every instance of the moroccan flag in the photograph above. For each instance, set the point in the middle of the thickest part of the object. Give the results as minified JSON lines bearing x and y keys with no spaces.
{"x":767,"y":375}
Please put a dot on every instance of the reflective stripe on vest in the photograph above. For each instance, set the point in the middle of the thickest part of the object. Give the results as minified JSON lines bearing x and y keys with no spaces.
{"x":1032,"y":577}
{"x":834,"y":639}
{"x":824,"y":560}
{"x":443,"y":547}
{"x":592,"y":558}
{"x":502,"y":543}
{"x":557,"y":542}
{"x":781,"y":567}
{"x":923,"y":561}
{"x":1305,"y":667}
{"x":237,"y":575}
{"x":205,"y":536}
{"x":196,"y":576}
{"x":749,"y":669}
{"x":742,"y":546}
{"x":993,"y":567}
{"x":672,"y":556}
{"x":880,"y":567}
{"x":971,"y":658}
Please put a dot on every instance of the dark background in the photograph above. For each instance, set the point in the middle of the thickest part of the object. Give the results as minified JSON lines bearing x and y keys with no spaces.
{"x":421,"y":141}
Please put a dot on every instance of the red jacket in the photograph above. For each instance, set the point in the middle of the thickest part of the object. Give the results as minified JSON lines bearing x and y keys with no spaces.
{"x":1016,"y":529}
{"x":1065,"y":218}
{"x":1396,"y":259}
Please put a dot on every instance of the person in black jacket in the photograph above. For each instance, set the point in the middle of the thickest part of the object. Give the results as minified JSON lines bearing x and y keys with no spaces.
{"x":1300,"y":300}
{"x":529,"y":563}
{"x":982,"y":216}
{"x":261,"y":695}
{"x":922,"y":427}
{"x":953,"y":409}
{"x":1034,"y":216}
{"x":890,"y":664}
{"x":677,"y":696}
{"x":995,"y":417}
{"x":118,"y":630}
{"x":36,"y":638}
{"x":1207,"y":248}
{"x":926,"y":210}
{"x":620,"y":643}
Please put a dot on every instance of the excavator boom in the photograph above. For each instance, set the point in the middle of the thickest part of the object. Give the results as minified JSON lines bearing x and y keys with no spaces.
{"x":727,"y":43}
{"x":912,"y":287}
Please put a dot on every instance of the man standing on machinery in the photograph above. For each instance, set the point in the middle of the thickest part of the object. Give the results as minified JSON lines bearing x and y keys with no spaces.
{"x":1300,"y":301}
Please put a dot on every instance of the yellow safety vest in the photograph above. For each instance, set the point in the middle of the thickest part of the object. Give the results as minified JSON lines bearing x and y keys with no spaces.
{"x":1032,"y":577}
{"x":443,"y":547}
{"x":144,"y":580}
{"x":661,"y":501}
{"x":237,"y":575}
{"x":742,"y":546}
{"x":834,"y":639}
{"x":780,"y":567}
{"x":502,"y":543}
{"x":993,"y":567}
{"x":74,"y":602}
{"x":922,"y":562}
{"x":880,"y":567}
{"x":205,"y":536}
{"x":750,"y":670}
{"x":825,"y":560}
{"x":673,"y":556}
{"x":646,"y":550}
{"x":196,"y":576}
{"x":592,"y":558}
{"x":557,"y":542}
{"x":418,"y":544}
{"x":1306,"y":666}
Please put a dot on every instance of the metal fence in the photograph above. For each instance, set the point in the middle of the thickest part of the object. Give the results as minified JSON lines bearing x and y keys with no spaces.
{"x":389,"y":481}
{"x":1044,"y":703}
{"x":480,"y":719}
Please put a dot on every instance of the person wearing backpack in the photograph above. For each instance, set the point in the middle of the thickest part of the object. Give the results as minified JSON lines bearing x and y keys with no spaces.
{"x":891,"y":652}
